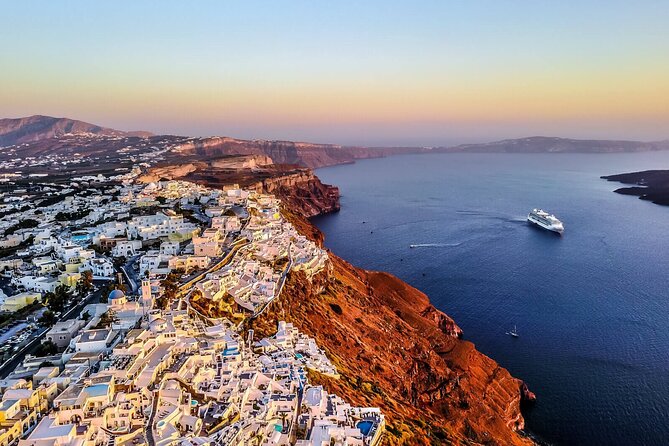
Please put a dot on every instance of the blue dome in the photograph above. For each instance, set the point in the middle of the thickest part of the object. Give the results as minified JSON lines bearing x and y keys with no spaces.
{"x":116,"y":294}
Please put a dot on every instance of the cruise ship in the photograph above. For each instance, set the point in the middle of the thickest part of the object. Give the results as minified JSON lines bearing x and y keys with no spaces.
{"x":545,"y":220}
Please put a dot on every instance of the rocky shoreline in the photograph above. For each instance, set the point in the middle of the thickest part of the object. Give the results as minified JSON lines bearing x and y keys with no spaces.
{"x":395,"y":350}
{"x":651,"y":185}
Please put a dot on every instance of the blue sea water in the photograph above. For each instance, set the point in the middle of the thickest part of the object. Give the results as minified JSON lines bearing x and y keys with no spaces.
{"x":591,"y":307}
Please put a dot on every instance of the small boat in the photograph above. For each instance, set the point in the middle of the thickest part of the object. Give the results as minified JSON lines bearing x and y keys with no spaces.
{"x":513,"y":332}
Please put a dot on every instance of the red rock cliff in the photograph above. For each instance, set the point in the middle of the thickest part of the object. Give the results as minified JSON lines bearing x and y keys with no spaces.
{"x":395,"y":350}
{"x":298,"y":187}
{"x":392,"y":348}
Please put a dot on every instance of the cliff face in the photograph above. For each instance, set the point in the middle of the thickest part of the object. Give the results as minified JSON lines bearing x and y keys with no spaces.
{"x":298,"y":187}
{"x":303,"y":192}
{"x":395,"y":350}
{"x":286,"y":152}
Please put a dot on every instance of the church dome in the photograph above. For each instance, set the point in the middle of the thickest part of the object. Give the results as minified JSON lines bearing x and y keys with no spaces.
{"x":116,"y":294}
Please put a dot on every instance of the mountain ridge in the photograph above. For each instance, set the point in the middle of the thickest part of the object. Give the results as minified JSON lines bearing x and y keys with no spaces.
{"x":39,"y":127}
{"x":39,"y":135}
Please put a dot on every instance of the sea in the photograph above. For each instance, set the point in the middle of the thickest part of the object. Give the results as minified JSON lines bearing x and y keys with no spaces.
{"x":591,"y":307}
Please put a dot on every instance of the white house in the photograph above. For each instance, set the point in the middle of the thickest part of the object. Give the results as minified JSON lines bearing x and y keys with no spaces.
{"x":100,"y":267}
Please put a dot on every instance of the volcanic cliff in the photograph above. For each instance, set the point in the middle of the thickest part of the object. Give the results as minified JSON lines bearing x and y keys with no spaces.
{"x":395,"y":350}
{"x":392,"y":348}
{"x":297,"y":186}
{"x":286,"y":152}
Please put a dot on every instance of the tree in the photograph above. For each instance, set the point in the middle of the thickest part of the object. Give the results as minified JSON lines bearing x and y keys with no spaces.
{"x":47,"y":319}
{"x":170,"y":288}
{"x":107,"y":319}
{"x":46,"y":348}
{"x":85,"y":284}
{"x":23,"y":224}
{"x":57,"y":300}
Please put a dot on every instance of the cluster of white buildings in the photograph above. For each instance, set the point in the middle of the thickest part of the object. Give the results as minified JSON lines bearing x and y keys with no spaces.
{"x":168,"y":377}
{"x":175,"y":380}
{"x":264,"y":245}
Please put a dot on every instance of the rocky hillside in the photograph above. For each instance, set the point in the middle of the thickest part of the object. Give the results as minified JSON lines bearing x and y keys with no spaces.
{"x":298,"y":187}
{"x":43,"y":134}
{"x":392,"y":347}
{"x":544,"y":144}
{"x":395,"y":350}
{"x":36,"y":128}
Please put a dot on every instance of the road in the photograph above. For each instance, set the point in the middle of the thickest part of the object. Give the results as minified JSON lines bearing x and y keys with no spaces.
{"x":8,"y":366}
{"x":129,"y":273}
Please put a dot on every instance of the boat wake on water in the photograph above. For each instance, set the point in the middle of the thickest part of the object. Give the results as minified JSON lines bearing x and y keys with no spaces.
{"x":494,"y":216}
{"x":435,"y":245}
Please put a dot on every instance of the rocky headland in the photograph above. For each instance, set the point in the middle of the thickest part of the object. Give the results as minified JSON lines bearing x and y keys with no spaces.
{"x":286,"y":152}
{"x":651,"y":185}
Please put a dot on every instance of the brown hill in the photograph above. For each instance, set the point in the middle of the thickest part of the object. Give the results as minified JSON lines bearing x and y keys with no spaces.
{"x":38,"y":127}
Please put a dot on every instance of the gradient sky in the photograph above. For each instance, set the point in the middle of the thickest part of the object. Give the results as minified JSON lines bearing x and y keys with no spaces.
{"x":373,"y":72}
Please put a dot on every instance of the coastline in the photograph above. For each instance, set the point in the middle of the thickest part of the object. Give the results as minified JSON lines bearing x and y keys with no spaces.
{"x":393,"y":348}
{"x":649,"y":185}
{"x":490,"y":406}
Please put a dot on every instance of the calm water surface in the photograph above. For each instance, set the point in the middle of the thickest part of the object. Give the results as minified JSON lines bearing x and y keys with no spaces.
{"x":591,"y":307}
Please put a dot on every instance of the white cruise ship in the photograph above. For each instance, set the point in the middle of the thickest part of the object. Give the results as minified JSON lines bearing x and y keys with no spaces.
{"x":545,"y":220}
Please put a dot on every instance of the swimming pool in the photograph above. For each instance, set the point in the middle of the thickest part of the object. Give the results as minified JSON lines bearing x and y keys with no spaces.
{"x":365,"y":427}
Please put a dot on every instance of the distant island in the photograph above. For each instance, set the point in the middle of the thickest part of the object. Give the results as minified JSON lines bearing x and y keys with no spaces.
{"x":547,"y":144}
{"x":651,"y":185}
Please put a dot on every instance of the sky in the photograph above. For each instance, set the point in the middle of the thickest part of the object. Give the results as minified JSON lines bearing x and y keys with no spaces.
{"x":349,"y":72}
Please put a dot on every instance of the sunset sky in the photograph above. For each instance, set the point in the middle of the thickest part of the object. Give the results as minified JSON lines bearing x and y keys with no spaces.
{"x":375,"y":73}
